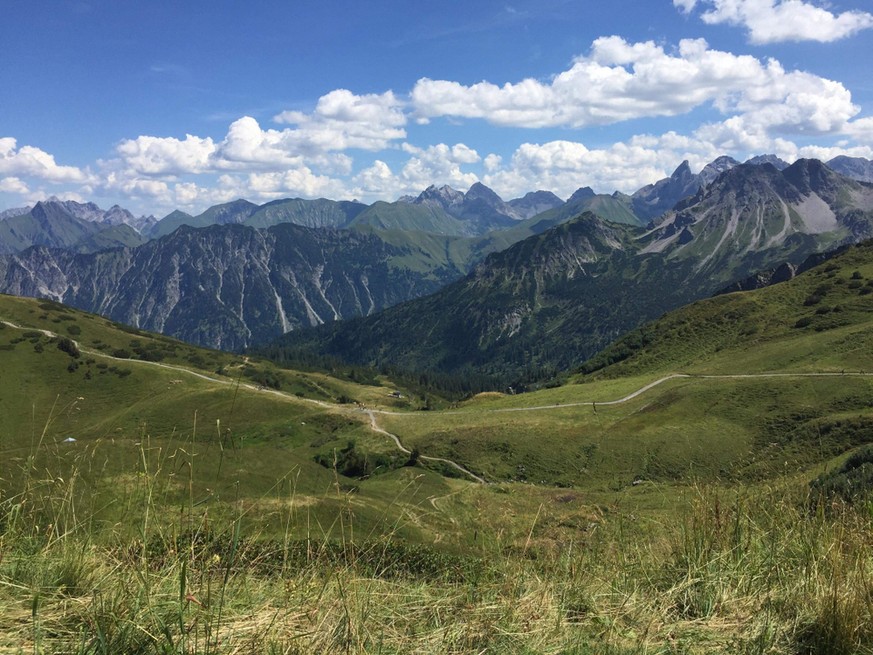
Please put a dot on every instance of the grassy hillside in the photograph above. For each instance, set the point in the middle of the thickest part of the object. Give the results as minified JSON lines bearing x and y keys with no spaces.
{"x":190,"y":514}
{"x":112,"y":405}
{"x":822,"y":319}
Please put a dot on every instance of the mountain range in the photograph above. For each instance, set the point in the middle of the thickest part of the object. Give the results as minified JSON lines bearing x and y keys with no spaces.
{"x":553,"y":300}
{"x":547,"y":282}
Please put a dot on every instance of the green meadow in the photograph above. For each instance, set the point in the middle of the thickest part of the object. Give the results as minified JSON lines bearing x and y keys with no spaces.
{"x":159,"y":498}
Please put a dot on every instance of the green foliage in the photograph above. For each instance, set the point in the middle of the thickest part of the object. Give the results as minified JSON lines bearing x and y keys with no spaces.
{"x":772,"y":321}
{"x":351,"y":462}
{"x":68,"y":346}
{"x":851,"y":482}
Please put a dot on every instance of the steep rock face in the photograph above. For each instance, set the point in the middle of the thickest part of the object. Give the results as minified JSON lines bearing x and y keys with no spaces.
{"x":535,"y":202}
{"x":856,"y":168}
{"x":542,"y":303}
{"x":226,"y":286}
{"x":754,"y":214}
{"x":90,"y":212}
{"x":581,"y":195}
{"x":445,"y":197}
{"x":488,"y":211}
{"x":782,"y":273}
{"x":715,"y":168}
{"x":773,"y":160}
{"x":13,"y":211}
{"x":308,"y":213}
{"x":654,"y":199}
{"x":479,"y":207}
{"x":68,"y":225}
{"x":554,"y":299}
{"x":116,"y":215}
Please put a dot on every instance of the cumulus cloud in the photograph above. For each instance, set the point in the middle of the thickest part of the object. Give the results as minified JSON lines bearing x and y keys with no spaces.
{"x":343,"y":120}
{"x":439,"y":164}
{"x":564,"y":166}
{"x":773,"y":21}
{"x":31,"y":161}
{"x":13,"y":185}
{"x":620,"y":81}
{"x":151,"y":155}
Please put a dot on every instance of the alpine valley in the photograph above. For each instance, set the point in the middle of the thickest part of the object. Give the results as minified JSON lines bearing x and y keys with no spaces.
{"x":517,"y":289}
{"x":646,"y":432}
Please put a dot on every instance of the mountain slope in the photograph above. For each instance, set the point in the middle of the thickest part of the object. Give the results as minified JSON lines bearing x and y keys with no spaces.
{"x":55,"y":224}
{"x":493,"y":321}
{"x":821,"y":319}
{"x":230,"y":286}
{"x":309,"y":213}
{"x":856,"y":168}
{"x":757,"y":215}
{"x":519,"y":313}
{"x":228,"y":213}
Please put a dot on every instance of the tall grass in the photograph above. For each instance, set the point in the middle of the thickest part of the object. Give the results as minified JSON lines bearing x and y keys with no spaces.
{"x":732,"y":573}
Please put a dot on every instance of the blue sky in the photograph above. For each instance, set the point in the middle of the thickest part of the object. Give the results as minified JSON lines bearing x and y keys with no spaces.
{"x":160,"y":105}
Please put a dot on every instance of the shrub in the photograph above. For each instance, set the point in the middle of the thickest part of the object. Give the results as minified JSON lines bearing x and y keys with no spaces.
{"x":803,"y":322}
{"x":67,"y":345}
{"x":851,"y":482}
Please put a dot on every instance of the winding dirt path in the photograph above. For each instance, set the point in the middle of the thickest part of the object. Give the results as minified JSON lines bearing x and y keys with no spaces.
{"x":371,"y":413}
{"x":376,"y":428}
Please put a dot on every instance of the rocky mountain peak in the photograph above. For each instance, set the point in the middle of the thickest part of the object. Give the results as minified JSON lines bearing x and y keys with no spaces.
{"x":682,"y":172}
{"x":856,"y":168}
{"x":13,"y":211}
{"x":444,"y":196}
{"x":583,"y":193}
{"x":810,"y":176}
{"x":535,"y":202}
{"x":481,"y":192}
{"x":715,"y":168}
{"x":773,"y":160}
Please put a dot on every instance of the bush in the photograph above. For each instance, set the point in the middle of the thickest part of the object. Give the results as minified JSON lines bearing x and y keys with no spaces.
{"x":803,"y":322}
{"x":67,"y":345}
{"x":851,"y":482}
{"x":354,"y":463}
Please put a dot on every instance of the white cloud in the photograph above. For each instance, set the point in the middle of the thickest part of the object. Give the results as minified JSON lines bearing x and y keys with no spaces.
{"x":377,"y":182}
{"x":296,"y":182}
{"x":492,"y":162}
{"x":438,"y":164}
{"x":773,"y":21}
{"x":564,"y":166}
{"x":861,"y":129}
{"x":343,"y":120}
{"x":619,"y":81}
{"x":13,"y":185}
{"x":826,"y":153}
{"x":151,"y":155}
{"x":30,"y":161}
